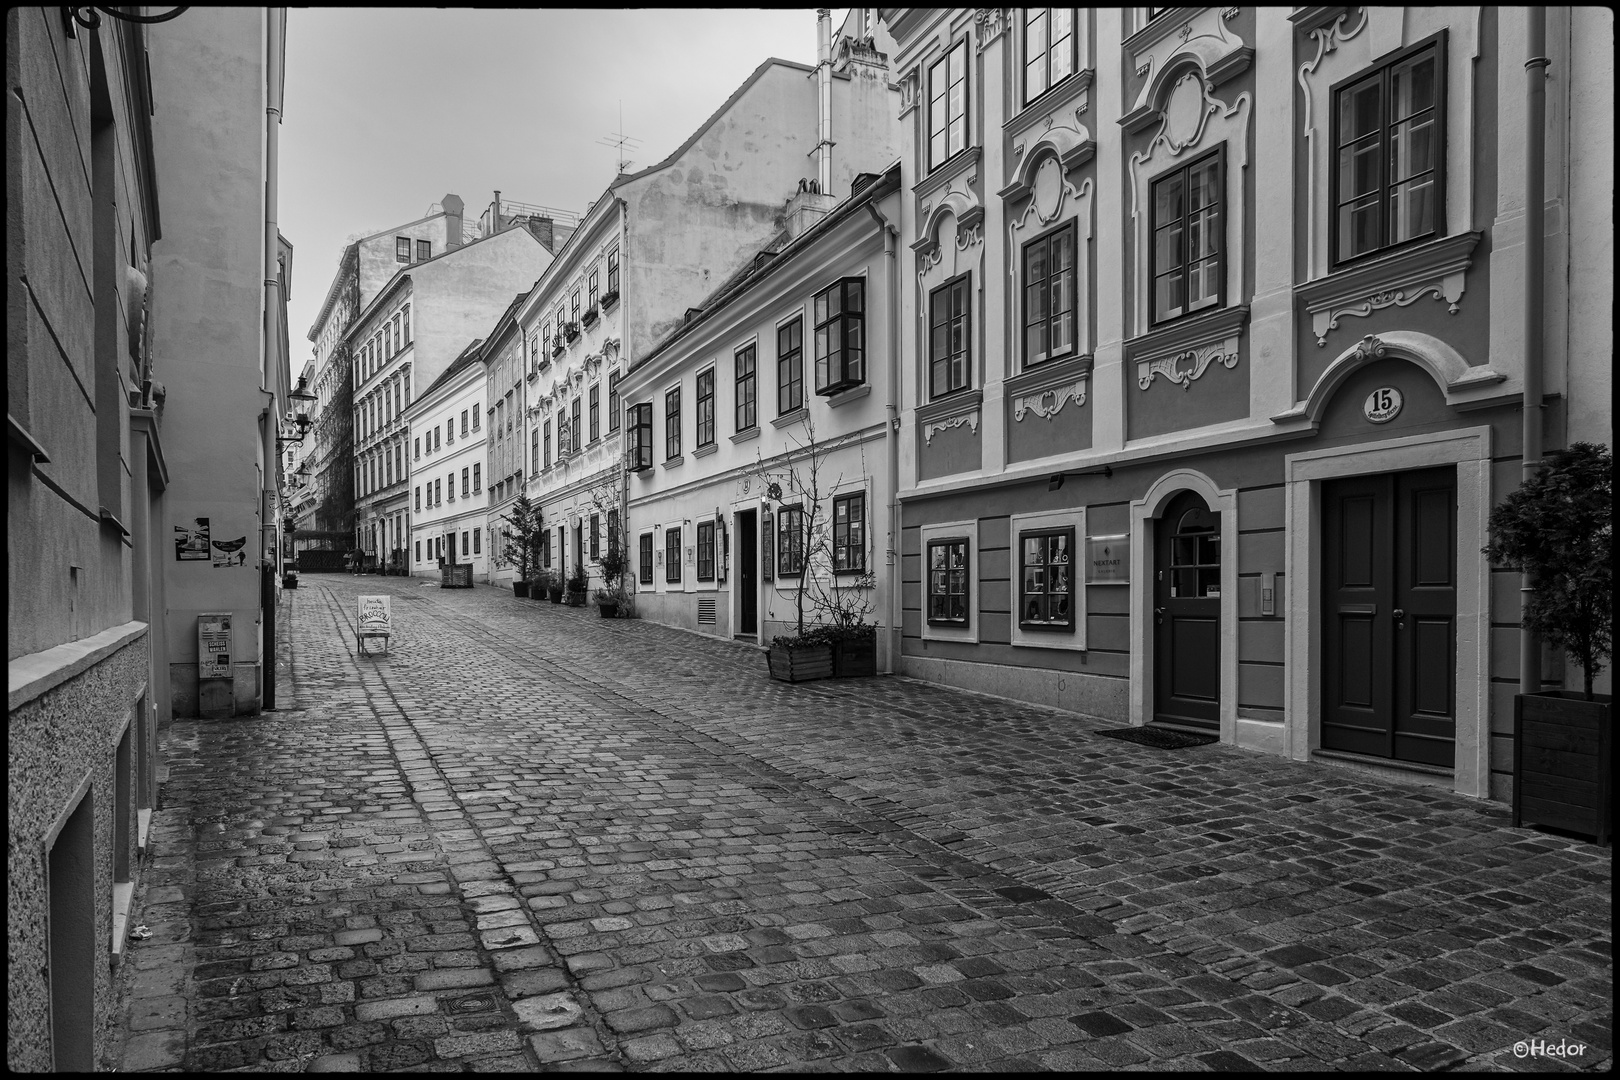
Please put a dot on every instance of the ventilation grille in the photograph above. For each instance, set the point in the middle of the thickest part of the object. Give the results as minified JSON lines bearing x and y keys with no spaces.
{"x":706,"y":611}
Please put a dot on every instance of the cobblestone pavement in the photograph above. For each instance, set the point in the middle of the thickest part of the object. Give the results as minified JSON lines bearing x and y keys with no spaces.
{"x":529,"y":837}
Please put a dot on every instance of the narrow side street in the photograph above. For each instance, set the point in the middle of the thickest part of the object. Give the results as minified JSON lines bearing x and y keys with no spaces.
{"x":529,"y":837}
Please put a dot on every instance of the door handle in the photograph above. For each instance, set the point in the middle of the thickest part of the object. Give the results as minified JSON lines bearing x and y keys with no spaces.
{"x":1399,"y":615}
{"x":1158,"y":615}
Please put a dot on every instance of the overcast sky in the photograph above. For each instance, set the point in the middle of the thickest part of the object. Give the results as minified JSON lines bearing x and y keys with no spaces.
{"x":387,"y":110}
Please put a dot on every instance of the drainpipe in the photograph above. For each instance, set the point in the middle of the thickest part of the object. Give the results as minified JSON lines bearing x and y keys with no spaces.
{"x":892,"y":439}
{"x":272,"y":374}
{"x":1534,"y":258}
{"x":824,"y":99}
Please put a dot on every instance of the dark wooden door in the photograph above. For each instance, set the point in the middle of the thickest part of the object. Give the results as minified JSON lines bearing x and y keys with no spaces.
{"x":1187,"y":614}
{"x":747,"y":572}
{"x":1389,"y":619}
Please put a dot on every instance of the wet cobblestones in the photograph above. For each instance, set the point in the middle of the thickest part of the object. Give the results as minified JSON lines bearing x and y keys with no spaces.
{"x":529,"y":838}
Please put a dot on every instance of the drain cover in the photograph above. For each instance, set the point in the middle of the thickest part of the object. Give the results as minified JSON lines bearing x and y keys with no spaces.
{"x":1023,"y":894}
{"x":476,"y":1003}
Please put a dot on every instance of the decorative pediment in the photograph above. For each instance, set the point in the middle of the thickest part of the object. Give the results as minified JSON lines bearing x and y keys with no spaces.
{"x":1070,"y":146}
{"x":961,"y":205}
{"x":962,"y":408}
{"x":1168,"y":46}
{"x":1457,"y":380}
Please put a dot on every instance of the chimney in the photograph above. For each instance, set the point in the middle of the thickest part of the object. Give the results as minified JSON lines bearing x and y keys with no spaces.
{"x":453,"y":208}
{"x":495,"y":218}
{"x":824,"y":99}
{"x":541,"y":227}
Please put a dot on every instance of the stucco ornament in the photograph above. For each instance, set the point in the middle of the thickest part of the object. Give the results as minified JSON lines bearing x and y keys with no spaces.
{"x":1371,"y":347}
{"x":1197,"y":361}
{"x":971,"y":419}
{"x":992,"y":23}
{"x":1186,"y":112}
{"x":1048,"y":189}
{"x":1161,"y":48}
{"x":1060,"y":395}
{"x":1447,"y":291}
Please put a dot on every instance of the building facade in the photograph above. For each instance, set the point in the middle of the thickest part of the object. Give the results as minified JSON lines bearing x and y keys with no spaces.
{"x":659,"y":241}
{"x":407,"y":337}
{"x":130,"y":416}
{"x":761,"y":446}
{"x":1246,"y":351}
{"x":447,"y":470}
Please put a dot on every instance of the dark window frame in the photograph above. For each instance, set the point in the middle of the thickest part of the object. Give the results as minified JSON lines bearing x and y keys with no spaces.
{"x":705,"y":551}
{"x":645,"y":558}
{"x":574,"y":443}
{"x":1024,"y":596}
{"x":596,"y":411}
{"x":1047,"y":52}
{"x":639,"y":423}
{"x":613,"y":271}
{"x":545,"y":442}
{"x":790,"y":366}
{"x":943,"y":63}
{"x":704,"y":403}
{"x":1437,"y":43}
{"x":424,"y":250}
{"x":672,"y":565}
{"x":613,"y":400}
{"x":672,"y":424}
{"x":789,"y":541}
{"x":596,"y":538}
{"x":959,"y":287}
{"x":405,"y":255}
{"x":747,"y":387}
{"x":849,"y":538}
{"x":1049,"y":241}
{"x":948,"y":543}
{"x":1185,"y":171}
{"x":849,"y":326}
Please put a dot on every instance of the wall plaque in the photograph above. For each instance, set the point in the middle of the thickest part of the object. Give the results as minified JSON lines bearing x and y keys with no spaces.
{"x":1108,"y":559}
{"x":1383,"y":405}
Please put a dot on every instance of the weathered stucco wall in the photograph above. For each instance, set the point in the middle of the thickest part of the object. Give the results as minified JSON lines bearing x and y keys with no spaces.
{"x":458,"y":298}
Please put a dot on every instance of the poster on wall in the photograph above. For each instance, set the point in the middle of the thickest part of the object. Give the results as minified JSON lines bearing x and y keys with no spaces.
{"x":1108,"y":559}
{"x":230,"y":552}
{"x":191,"y":543}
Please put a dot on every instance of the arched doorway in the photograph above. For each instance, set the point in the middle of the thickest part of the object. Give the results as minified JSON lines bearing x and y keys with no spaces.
{"x":1187,"y":614}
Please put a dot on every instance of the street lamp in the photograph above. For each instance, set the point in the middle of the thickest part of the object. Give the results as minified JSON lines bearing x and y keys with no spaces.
{"x":297,"y":418}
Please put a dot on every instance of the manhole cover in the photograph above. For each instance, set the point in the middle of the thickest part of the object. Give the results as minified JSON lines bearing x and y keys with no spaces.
{"x":476,"y":1003}
{"x":1024,"y":894}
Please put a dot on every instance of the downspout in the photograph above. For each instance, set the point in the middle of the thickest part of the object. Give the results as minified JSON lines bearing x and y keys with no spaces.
{"x":1535,"y":244}
{"x":891,"y":440}
{"x":273,"y":374}
{"x":824,"y":100}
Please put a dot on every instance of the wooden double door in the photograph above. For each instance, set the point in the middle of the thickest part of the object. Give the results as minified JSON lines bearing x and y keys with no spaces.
{"x":1389,"y":615}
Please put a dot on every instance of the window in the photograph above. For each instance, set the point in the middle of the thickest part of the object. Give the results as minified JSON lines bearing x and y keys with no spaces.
{"x":438,"y":493}
{"x":596,"y":411}
{"x":419,"y":500}
{"x":1046,"y":578}
{"x":646,"y":558}
{"x":672,"y":424}
{"x":789,"y":367}
{"x":465,"y":476}
{"x":399,"y":339}
{"x":511,"y":414}
{"x":478,"y":478}
{"x":419,"y":551}
{"x":545,"y":549}
{"x":1187,"y":264}
{"x":596,"y":539}
{"x":475,"y":412}
{"x":948,"y":581}
{"x":1049,"y":296}
{"x":465,"y":538}
{"x":790,"y":542}
{"x":477,"y":548}
{"x":452,"y":485}
{"x":849,"y":533}
{"x":613,"y":272}
{"x":1389,"y":136}
{"x":613,"y":401}
{"x":463,"y":423}
{"x":450,"y":431}
{"x":388,"y":466}
{"x":613,"y":530}
{"x":562,"y":434}
{"x":705,"y":407}
{"x":747,"y":389}
{"x":573,"y":308}
{"x":534,"y":450}
{"x":947,"y":105}
{"x":840,"y":336}
{"x":948,"y":343}
{"x":672,"y":554}
{"x":424,"y":250}
{"x":573,"y":426}
{"x":545,"y":343}
{"x":1048,"y":49}
{"x":435,"y":437}
{"x":402,"y":248}
{"x":639,"y":420}
{"x":546,"y":442}
{"x":406,"y":312}
{"x":590,"y":290}
{"x":705,"y":551}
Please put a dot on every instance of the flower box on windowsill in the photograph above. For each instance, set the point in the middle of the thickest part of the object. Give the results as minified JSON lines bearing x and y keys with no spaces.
{"x":609,"y":299}
{"x":589,"y":317}
{"x":557,"y":349}
{"x":571,"y":331}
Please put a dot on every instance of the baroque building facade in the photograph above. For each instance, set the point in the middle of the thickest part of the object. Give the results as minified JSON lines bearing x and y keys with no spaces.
{"x":1245,"y":358}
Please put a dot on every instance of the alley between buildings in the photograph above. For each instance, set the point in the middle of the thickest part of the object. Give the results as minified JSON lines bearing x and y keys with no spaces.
{"x":527,"y":836}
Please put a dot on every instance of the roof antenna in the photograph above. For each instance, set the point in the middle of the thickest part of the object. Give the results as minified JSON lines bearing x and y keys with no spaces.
{"x":621,"y":142}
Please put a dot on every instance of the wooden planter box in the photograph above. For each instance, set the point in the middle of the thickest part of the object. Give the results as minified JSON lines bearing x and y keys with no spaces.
{"x":520,"y":588}
{"x":556,"y":595}
{"x":609,"y":609}
{"x":801,"y":663}
{"x":1561,"y":745}
{"x":853,"y":659}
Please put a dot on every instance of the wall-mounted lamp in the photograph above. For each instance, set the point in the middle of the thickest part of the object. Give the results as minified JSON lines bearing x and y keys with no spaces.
{"x":1055,"y":481}
{"x":297,"y":422}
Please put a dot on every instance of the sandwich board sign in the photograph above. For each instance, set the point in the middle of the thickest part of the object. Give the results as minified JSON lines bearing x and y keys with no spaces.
{"x":373,"y":619}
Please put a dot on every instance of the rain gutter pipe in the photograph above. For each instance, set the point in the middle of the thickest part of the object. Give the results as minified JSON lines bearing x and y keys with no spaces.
{"x":272,"y":375}
{"x":1535,"y":243}
{"x":892,"y":441}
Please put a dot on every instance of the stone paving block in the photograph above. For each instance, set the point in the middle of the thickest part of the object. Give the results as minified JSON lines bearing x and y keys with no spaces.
{"x":569,"y":1044}
{"x":154,"y":1050}
{"x":547,"y":1011}
{"x":453,"y":978}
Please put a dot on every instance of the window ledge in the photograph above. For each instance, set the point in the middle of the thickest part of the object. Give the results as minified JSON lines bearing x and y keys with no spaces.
{"x":1184,"y":350}
{"x":951,"y":405}
{"x":123,"y":894}
{"x":1050,"y":373}
{"x":744,"y":436}
{"x":21,"y":436}
{"x":705,"y":451}
{"x":844,"y":397}
{"x":675,"y":462}
{"x":942,"y":174}
{"x":35,"y":674}
{"x":792,"y":417}
{"x":1051,"y":100}
{"x":1435,"y":269}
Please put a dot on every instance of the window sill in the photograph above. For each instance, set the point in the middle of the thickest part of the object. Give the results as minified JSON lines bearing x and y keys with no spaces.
{"x":1435,"y":267}
{"x":675,"y":462}
{"x":705,"y":451}
{"x":950,"y":405}
{"x":745,"y":435}
{"x":962,"y":161}
{"x":1050,"y":373}
{"x":1050,"y":100}
{"x":123,"y":894}
{"x":793,"y":417}
{"x":1203,"y":340}
{"x":844,"y":397}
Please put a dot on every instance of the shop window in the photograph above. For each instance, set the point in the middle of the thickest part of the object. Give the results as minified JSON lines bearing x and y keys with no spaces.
{"x":948,"y":582}
{"x":849,"y":534}
{"x":1046,"y":579}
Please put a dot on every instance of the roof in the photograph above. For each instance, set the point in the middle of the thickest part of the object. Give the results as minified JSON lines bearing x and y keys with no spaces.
{"x":753,"y":270}
{"x":472,"y":354}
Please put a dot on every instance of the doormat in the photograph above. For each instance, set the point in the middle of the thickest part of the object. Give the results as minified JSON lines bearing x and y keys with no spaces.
{"x":1162,"y":738}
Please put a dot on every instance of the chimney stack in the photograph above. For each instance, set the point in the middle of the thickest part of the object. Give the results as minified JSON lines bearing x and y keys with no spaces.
{"x":495,"y":218}
{"x":453,"y":208}
{"x":824,"y":99}
{"x":541,"y":227}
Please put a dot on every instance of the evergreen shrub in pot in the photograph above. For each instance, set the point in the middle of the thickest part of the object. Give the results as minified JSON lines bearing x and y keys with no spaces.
{"x":1558,"y":528}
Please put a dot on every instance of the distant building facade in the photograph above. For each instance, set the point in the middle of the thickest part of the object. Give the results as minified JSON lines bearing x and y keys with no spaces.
{"x":447,"y":470}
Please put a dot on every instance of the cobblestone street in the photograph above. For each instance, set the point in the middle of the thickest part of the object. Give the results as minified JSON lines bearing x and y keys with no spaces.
{"x":529,"y":837}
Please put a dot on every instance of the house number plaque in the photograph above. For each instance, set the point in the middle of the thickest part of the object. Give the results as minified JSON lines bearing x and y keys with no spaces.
{"x":1383,"y":405}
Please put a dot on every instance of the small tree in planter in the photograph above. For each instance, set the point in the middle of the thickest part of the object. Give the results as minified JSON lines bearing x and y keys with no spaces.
{"x":1558,"y":528}
{"x":578,"y":583}
{"x":522,"y":550}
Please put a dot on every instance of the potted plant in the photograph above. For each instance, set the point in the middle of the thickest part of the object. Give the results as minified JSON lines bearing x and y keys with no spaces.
{"x":801,"y":657}
{"x":611,"y":598}
{"x":1558,"y":529}
{"x":571,"y":330}
{"x":609,"y":298}
{"x":539,"y":585}
{"x":577,"y":586}
{"x":522,"y":550}
{"x":554,"y":588}
{"x":589,"y":317}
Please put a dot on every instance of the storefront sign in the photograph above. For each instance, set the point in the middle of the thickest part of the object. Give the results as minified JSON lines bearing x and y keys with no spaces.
{"x":1383,"y":405}
{"x":1108,"y":559}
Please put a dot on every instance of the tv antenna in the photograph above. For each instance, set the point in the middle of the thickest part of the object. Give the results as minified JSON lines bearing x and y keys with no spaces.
{"x":620,"y":142}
